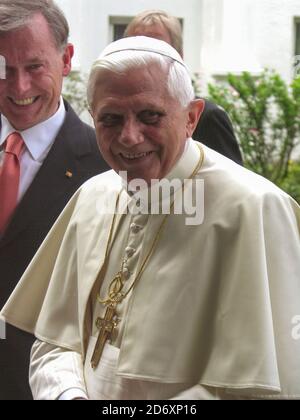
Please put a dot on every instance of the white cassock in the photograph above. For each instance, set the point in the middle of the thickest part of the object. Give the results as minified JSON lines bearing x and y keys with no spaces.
{"x":214,"y":315}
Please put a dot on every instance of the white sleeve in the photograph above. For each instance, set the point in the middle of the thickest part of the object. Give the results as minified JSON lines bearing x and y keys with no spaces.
{"x":53,"y":371}
{"x":197,"y":392}
{"x":73,"y":394}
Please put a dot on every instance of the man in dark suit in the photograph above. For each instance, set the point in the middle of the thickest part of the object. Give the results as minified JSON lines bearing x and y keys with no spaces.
{"x":214,"y":128}
{"x":58,"y":154}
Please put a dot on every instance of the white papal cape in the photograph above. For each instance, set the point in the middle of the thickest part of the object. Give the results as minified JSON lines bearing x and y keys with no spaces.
{"x":218,"y":303}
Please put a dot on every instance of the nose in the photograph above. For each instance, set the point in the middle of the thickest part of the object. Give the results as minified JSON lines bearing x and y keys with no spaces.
{"x":131,"y":133}
{"x":21,"y":83}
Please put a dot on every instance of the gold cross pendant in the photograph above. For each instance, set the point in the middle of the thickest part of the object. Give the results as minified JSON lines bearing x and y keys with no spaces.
{"x":106,"y":327}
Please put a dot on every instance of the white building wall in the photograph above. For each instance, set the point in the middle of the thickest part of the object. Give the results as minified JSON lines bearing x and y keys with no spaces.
{"x":91,"y":32}
{"x":274,"y":34}
{"x":227,"y":44}
{"x":219,"y":35}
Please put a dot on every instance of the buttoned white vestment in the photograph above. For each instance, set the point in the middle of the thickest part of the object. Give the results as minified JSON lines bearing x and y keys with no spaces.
{"x":217,"y":303}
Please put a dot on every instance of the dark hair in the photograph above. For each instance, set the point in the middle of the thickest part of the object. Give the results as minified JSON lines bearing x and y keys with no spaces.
{"x":150,"y":17}
{"x":15,"y":14}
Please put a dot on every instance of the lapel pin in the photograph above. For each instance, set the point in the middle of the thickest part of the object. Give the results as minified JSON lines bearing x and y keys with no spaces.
{"x":69,"y":174}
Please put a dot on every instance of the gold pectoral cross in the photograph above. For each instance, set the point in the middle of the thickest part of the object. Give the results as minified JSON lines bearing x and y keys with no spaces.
{"x":106,"y":327}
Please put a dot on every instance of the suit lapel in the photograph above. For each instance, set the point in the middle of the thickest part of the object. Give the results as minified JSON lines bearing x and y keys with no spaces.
{"x":58,"y":174}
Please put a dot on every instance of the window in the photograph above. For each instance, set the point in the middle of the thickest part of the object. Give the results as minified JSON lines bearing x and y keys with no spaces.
{"x":117,"y":26}
{"x":118,"y":32}
{"x":296,"y":58}
{"x":297,"y":36}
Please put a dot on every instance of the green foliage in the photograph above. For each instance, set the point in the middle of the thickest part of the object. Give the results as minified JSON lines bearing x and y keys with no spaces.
{"x":265,"y":113}
{"x":74,"y":91}
{"x":196,"y":83}
{"x":291,"y":184}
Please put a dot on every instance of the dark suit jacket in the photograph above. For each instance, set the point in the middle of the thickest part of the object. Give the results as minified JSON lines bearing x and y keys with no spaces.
{"x":74,"y":150}
{"x":215,"y":131}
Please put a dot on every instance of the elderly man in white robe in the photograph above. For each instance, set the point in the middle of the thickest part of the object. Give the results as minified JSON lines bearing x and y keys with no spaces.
{"x":132,"y":296}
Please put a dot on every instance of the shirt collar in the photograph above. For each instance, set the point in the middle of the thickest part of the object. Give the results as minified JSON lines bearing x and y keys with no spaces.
{"x":38,"y":139}
{"x":186,"y":164}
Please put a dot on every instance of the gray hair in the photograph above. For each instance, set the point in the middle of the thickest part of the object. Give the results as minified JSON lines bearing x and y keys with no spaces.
{"x":170,"y":23}
{"x":178,"y":82}
{"x":15,"y":14}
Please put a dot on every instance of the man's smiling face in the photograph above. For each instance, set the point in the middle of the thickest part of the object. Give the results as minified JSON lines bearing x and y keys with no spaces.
{"x":34,"y":73}
{"x":140,"y":127}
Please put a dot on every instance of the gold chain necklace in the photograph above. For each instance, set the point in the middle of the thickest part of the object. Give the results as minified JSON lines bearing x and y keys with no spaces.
{"x":115,"y":295}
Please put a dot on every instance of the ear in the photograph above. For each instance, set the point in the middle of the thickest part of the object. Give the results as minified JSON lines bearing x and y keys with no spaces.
{"x":67,"y":59}
{"x":195,"y":110}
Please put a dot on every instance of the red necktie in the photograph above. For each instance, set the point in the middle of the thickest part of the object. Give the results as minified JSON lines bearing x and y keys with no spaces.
{"x":9,"y":178}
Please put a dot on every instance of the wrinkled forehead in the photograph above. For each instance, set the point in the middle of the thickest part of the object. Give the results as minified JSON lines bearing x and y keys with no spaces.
{"x":135,"y":65}
{"x":138,"y":87}
{"x":143,"y":77}
{"x":135,"y":54}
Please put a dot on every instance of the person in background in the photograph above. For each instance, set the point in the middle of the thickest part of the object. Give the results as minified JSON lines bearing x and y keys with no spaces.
{"x":46,"y":153}
{"x":214,"y":128}
{"x":158,"y":301}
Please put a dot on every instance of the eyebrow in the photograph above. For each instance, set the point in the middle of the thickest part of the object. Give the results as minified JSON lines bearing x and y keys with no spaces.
{"x":112,"y":107}
{"x":34,"y":60}
{"x":28,"y":61}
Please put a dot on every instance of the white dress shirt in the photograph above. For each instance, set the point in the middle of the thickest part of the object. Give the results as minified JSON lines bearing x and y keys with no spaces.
{"x":38,"y":140}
